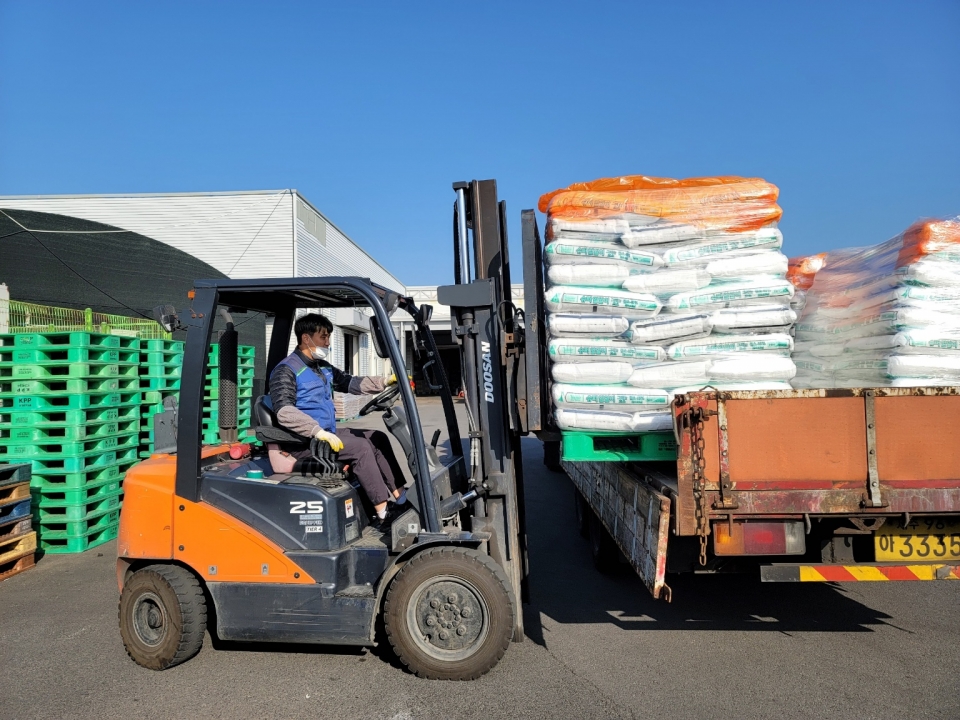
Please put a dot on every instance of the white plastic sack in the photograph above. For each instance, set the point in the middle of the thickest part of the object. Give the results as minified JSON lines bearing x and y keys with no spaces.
{"x":574,"y":252}
{"x":599,"y":349}
{"x":659,"y":233}
{"x":768,"y":385}
{"x":931,"y":272}
{"x":671,"y":374}
{"x":669,"y":328}
{"x":606,"y":301}
{"x":716,"y":345}
{"x":765,"y":263}
{"x":602,"y":421}
{"x":753,"y":316}
{"x":609,"y":397}
{"x":668,"y":281}
{"x":940,"y":366}
{"x":752,"y":368}
{"x":589,"y":275}
{"x":721,"y":295}
{"x":724,"y":246}
{"x":602,"y":373}
{"x":560,"y":324}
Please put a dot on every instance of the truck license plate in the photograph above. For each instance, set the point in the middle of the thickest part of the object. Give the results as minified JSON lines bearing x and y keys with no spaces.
{"x":924,"y":539}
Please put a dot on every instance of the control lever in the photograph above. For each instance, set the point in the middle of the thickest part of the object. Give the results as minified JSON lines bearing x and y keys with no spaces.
{"x":436,"y":438}
{"x":457,"y":502}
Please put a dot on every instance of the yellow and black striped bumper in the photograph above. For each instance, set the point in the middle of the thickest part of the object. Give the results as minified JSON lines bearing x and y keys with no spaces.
{"x":873,"y":572}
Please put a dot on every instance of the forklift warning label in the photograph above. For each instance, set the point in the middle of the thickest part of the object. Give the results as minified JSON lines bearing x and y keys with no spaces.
{"x":348,"y":507}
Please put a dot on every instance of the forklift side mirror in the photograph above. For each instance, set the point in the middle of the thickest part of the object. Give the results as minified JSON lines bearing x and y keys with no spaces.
{"x":167,"y":316}
{"x":426,"y":312}
{"x":379,"y":342}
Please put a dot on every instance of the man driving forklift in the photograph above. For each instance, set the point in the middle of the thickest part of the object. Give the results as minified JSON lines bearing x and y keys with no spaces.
{"x":301,"y":391}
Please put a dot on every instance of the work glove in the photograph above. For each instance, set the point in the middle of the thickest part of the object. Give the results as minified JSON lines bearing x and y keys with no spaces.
{"x":392,"y":380}
{"x":335,"y":443}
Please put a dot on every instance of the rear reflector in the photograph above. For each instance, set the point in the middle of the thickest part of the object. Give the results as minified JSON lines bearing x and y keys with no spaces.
{"x":783,"y":537}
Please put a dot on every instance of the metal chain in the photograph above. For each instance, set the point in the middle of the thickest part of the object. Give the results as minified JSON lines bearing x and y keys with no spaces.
{"x":697,"y":445}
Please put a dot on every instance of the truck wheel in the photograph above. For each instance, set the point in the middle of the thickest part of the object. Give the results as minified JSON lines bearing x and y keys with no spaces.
{"x":606,"y":554}
{"x":449,"y":614}
{"x":583,"y":511}
{"x":163,"y":615}
{"x":551,"y":455}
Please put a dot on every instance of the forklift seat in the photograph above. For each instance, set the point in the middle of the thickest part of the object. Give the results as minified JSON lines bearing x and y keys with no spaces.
{"x":269,"y":430}
{"x":324,"y":462}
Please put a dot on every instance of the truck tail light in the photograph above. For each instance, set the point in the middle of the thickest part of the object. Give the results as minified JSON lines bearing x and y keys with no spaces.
{"x":783,"y":537}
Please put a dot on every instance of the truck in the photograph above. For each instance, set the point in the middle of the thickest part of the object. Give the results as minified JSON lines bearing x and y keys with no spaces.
{"x":829,"y":485}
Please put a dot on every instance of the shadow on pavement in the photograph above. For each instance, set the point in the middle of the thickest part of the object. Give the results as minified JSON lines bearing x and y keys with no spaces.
{"x":566,"y":588}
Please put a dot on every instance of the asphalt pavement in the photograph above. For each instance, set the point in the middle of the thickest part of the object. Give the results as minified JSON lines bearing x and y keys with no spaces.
{"x":596,"y":647}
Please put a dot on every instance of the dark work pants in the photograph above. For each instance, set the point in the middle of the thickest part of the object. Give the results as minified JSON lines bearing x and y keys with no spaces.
{"x":370,"y":455}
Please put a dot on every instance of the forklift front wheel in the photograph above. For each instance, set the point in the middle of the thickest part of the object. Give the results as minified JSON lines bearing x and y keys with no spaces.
{"x":163,"y":615}
{"x":449,"y":614}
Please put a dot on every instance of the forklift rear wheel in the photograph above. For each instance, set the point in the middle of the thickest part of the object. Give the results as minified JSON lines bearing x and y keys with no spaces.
{"x":606,"y":554}
{"x":163,"y":615}
{"x":449,"y":614}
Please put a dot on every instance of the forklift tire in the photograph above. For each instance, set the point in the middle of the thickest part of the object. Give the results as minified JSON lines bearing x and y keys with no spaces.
{"x":606,"y":554}
{"x":449,"y":614}
{"x":583,"y":513}
{"x":163,"y":615}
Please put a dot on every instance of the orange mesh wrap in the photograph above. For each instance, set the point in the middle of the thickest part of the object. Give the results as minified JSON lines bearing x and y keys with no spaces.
{"x":926,"y":237}
{"x":727,"y":204}
{"x":801,"y":271}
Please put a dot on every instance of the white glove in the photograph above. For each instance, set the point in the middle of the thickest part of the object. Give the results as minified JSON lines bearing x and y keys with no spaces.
{"x":336,"y":444}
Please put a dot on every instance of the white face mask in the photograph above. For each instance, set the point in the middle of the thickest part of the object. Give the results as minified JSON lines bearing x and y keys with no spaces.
{"x":319,"y":353}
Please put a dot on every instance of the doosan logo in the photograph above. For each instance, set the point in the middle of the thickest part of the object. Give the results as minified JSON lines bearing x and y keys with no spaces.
{"x":487,"y":372}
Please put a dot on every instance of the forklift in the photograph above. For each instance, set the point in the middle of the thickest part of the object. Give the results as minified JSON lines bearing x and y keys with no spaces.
{"x":211,"y":538}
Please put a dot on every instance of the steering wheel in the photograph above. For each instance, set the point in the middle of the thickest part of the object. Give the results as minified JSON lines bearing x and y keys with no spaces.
{"x":383,"y":401}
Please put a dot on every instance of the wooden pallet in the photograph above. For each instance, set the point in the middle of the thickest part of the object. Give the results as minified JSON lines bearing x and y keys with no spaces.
{"x":17,"y":547}
{"x":15,"y":567}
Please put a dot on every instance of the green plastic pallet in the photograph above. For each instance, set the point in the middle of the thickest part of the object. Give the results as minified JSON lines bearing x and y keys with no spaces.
{"x":53,"y":355}
{"x":60,"y":481}
{"x":75,"y":496}
{"x":56,"y":544}
{"x":70,"y":386}
{"x":68,"y":418}
{"x":75,"y":433}
{"x":175,"y":346}
{"x":84,"y":371}
{"x":617,"y":447}
{"x":243,"y":351}
{"x":88,"y":510}
{"x":72,"y":339}
{"x":60,"y":402}
{"x":159,"y":384}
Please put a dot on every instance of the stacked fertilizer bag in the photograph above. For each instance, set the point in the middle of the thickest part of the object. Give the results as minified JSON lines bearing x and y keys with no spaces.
{"x":885,"y":315}
{"x":658,"y":286}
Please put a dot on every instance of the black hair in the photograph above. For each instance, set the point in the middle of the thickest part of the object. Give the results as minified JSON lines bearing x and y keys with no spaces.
{"x":310,"y":324}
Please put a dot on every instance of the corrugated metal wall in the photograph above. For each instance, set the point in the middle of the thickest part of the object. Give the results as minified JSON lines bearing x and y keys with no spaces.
{"x":241,"y":234}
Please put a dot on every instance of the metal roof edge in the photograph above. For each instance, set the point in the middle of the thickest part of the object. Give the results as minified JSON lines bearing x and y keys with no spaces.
{"x":360,"y":247}
{"x":159,"y":194}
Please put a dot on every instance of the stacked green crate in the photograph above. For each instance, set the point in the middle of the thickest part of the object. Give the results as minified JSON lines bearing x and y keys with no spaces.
{"x":211,"y":393}
{"x":161,"y":362}
{"x":70,"y":405}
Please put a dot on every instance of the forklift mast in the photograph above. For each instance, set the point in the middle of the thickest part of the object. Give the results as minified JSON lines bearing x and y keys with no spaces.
{"x":489,"y":331}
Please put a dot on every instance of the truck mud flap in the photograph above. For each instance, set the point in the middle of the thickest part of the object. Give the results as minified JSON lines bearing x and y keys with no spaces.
{"x":635,"y":515}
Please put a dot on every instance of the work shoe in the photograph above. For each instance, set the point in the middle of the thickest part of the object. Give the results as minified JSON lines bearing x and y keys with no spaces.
{"x":382,"y":525}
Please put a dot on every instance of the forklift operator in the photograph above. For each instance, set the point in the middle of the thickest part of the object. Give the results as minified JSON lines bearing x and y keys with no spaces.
{"x":301,"y":389}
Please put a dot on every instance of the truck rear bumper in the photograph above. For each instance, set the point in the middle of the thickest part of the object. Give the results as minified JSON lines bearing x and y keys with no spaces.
{"x":858,"y":573}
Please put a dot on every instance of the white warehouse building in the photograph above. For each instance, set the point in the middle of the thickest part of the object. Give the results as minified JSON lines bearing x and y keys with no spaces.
{"x":269,"y":233}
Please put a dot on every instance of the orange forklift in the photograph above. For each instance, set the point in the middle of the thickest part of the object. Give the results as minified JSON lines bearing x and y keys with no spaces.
{"x":212,"y":539}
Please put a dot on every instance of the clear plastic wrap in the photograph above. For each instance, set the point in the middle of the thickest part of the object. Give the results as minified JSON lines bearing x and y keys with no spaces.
{"x":669,"y":328}
{"x":779,"y":344}
{"x":883,"y":314}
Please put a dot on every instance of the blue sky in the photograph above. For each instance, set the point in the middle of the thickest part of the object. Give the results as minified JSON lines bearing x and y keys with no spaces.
{"x":372,"y":110}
